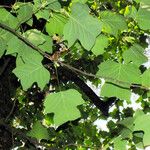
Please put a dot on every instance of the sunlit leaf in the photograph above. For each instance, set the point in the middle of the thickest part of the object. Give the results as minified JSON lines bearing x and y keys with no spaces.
{"x":100,"y":44}
{"x":117,"y":73}
{"x":81,"y":26}
{"x":32,"y":71}
{"x":112,"y":23}
{"x":135,"y":54}
{"x":63,"y":105}
{"x":56,"y":24}
{"x":110,"y":90}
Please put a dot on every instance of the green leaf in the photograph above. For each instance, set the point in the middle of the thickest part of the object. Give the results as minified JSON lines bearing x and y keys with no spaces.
{"x":3,"y":46}
{"x":100,"y":44}
{"x":120,"y":74}
{"x":81,"y":26}
{"x":146,"y":78}
{"x":45,"y":14}
{"x":110,"y":90}
{"x":25,"y":12}
{"x":32,"y":71}
{"x":120,"y":144}
{"x":112,"y":23}
{"x":143,"y":18}
{"x":56,"y":24}
{"x":7,"y":18}
{"x":15,"y":45}
{"x":38,"y":131}
{"x":135,"y":54}
{"x":39,"y":39}
{"x":127,"y":122}
{"x":80,"y":1}
{"x":63,"y":105}
{"x":44,"y":7}
{"x":143,"y":123}
{"x":130,"y":11}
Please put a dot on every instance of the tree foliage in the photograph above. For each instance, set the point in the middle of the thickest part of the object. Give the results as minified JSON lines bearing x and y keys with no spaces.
{"x":50,"y":50}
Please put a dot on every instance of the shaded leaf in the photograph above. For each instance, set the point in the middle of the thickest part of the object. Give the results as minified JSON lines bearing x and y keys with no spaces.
{"x":63,"y":105}
{"x":81,"y":26}
{"x":39,"y":131}
{"x":3,"y":46}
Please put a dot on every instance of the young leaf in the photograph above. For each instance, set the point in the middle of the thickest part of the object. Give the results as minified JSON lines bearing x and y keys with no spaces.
{"x":38,"y":131}
{"x":112,"y":23}
{"x":56,"y":24}
{"x":110,"y":90}
{"x":63,"y":105}
{"x":135,"y":54}
{"x":81,"y":26}
{"x":120,"y":74}
{"x":100,"y":44}
{"x":32,"y":71}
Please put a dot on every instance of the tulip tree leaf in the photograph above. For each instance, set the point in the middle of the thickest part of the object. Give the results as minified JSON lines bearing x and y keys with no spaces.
{"x":9,"y":19}
{"x":64,"y":105}
{"x":135,"y":54}
{"x":120,"y":74}
{"x":146,"y":78}
{"x":25,"y":12}
{"x":39,"y":39}
{"x":112,"y":23}
{"x":142,"y":122}
{"x":56,"y":24}
{"x":81,"y":26}
{"x":38,"y":131}
{"x":110,"y":90}
{"x":32,"y":71}
{"x":142,"y":16}
{"x":120,"y":144}
{"x":100,"y":44}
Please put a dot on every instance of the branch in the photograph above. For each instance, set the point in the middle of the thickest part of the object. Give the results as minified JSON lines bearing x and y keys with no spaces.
{"x":109,"y":79}
{"x":27,"y":42}
{"x":18,"y":132}
{"x":71,"y":76}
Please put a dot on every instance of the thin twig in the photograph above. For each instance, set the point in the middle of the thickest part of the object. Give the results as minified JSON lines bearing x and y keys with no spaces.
{"x":105,"y":77}
{"x":27,"y":42}
{"x":11,"y":111}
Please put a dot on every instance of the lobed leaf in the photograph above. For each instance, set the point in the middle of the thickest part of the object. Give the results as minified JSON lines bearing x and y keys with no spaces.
{"x":81,"y":26}
{"x":64,"y":105}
